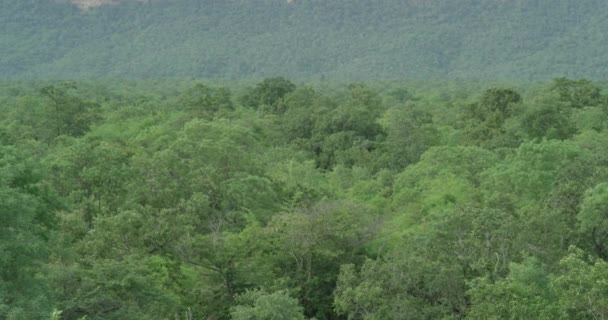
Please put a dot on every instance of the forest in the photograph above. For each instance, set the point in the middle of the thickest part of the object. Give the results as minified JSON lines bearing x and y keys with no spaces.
{"x":305,"y":39}
{"x":290,"y":200}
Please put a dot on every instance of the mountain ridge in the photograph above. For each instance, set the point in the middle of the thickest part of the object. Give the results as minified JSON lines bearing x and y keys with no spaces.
{"x":353,"y":39}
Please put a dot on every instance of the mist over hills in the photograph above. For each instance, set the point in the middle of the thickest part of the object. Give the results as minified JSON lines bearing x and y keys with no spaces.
{"x":309,"y":39}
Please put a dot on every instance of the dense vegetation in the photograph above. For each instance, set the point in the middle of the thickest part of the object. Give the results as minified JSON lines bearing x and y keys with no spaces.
{"x":184,"y":200}
{"x":313,"y":39}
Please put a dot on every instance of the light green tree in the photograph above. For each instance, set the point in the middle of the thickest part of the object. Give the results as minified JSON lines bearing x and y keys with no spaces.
{"x":259,"y":305}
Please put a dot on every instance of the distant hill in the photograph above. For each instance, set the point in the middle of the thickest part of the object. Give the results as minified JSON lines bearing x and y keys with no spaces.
{"x":314,"y":39}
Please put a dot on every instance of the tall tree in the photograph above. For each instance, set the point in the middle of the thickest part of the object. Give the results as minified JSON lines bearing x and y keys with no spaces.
{"x":27,"y":213}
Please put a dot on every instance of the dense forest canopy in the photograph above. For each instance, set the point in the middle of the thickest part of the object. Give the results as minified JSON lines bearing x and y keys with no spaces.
{"x":276,"y":200}
{"x":414,"y":160}
{"x":304,"y":39}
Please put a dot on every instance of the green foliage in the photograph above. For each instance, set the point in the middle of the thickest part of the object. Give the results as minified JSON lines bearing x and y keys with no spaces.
{"x":205,"y":101}
{"x":577,"y":290}
{"x":399,"y":288}
{"x":349,"y":131}
{"x":484,"y":121}
{"x":71,"y":116}
{"x":577,"y":93}
{"x":593,"y":218}
{"x":92,"y":173}
{"x":310,"y":245}
{"x":581,"y":286}
{"x":444,"y":177}
{"x":549,"y":116}
{"x":525,"y":293}
{"x":410,"y":132}
{"x":26,"y":212}
{"x":134,"y":288}
{"x":171,"y":200}
{"x":530,"y":173}
{"x":258,"y":305}
{"x":268,"y":94}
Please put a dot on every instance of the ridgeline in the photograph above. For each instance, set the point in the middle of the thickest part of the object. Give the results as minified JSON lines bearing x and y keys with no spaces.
{"x":305,"y":39}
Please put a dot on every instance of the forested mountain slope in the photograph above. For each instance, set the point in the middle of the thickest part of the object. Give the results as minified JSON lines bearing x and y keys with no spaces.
{"x":458,"y":39}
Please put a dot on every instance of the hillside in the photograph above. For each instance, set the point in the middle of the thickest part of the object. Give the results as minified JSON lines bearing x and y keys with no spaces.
{"x":309,"y":39}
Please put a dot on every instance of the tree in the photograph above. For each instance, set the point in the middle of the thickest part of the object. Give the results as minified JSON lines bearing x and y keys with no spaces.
{"x":308,"y":246}
{"x":581,"y":286}
{"x":548,"y":117}
{"x":577,"y":93}
{"x":303,"y":107}
{"x":577,"y":290}
{"x":443,"y":178}
{"x":259,"y":305}
{"x":526,"y":293}
{"x":134,"y":287}
{"x":72,"y":115}
{"x":27,"y":208}
{"x":593,"y":219}
{"x":269,"y":94}
{"x":348,"y":131}
{"x":92,"y":173}
{"x":206,"y":101}
{"x":529,"y":173}
{"x":401,"y":286}
{"x":484,"y":121}
{"x":410,"y":132}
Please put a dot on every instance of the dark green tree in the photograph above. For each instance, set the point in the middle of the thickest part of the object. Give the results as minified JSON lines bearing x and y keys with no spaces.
{"x":205,"y":101}
{"x":269,"y":94}
{"x":484,"y":121}
{"x":577,"y":93}
{"x":71,"y":115}
{"x":27,"y":208}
